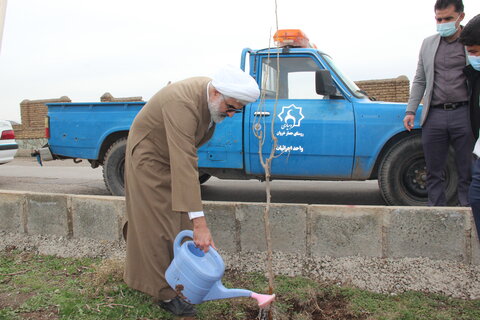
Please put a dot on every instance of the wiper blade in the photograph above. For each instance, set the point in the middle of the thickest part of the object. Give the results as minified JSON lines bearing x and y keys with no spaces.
{"x":366,"y":94}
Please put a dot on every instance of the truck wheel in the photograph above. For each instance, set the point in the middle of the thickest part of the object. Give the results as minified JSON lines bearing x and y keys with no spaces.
{"x":203,"y":177}
{"x":402,"y":175}
{"x":114,"y":167}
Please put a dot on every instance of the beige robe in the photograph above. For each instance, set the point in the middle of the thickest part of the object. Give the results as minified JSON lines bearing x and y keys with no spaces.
{"x":161,"y":180}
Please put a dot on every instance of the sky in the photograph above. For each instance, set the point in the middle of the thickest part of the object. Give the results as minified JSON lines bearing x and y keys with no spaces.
{"x":82,"y":49}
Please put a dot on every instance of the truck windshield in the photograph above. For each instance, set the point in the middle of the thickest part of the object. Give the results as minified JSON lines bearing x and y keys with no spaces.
{"x":357,"y":92}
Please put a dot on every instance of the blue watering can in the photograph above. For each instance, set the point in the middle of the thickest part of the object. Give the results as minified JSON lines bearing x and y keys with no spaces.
{"x":196,"y":275}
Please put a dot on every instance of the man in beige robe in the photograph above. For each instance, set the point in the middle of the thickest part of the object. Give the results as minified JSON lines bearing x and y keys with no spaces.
{"x":162,"y":189}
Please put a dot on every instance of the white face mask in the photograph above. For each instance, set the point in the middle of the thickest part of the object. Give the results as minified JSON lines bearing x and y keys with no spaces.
{"x":474,"y":62}
{"x":447,"y":29}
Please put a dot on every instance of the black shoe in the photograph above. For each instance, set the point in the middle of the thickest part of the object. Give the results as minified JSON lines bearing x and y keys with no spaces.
{"x":179,"y":307}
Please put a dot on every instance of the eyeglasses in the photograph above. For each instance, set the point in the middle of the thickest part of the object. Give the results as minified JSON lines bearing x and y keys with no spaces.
{"x":231,"y":108}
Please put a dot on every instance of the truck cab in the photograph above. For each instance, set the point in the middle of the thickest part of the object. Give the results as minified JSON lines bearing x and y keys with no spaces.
{"x":308,"y":124}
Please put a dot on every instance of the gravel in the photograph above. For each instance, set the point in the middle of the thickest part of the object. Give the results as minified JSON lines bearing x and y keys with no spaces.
{"x":62,"y":246}
{"x":389,"y":276}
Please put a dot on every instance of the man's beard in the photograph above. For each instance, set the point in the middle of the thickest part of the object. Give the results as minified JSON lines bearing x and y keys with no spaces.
{"x":214,"y":107}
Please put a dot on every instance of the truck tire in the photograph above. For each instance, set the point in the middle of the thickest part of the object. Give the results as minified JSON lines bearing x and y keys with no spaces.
{"x":402,"y":175}
{"x":114,"y":167}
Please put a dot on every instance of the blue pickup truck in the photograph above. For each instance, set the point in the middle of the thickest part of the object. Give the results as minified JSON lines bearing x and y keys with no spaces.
{"x":327,"y":129}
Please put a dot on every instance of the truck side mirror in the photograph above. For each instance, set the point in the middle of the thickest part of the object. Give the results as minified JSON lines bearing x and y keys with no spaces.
{"x":324,"y":84}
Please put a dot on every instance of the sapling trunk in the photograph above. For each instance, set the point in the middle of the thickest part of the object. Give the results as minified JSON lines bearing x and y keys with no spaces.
{"x":260,"y":133}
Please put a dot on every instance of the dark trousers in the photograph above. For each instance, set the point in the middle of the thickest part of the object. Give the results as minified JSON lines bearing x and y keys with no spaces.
{"x":474,"y":195}
{"x":442,"y":128}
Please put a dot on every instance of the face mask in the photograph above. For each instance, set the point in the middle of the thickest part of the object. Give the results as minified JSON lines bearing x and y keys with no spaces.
{"x":447,"y":29}
{"x":475,"y":62}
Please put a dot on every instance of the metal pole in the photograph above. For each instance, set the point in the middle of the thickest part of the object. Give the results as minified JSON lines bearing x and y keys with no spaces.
{"x":3,"y":10}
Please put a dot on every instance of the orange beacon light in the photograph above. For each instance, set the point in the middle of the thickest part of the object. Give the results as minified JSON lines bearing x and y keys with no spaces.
{"x":291,"y":38}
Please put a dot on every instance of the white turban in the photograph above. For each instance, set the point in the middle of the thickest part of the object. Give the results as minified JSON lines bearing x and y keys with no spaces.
{"x":235,"y":83}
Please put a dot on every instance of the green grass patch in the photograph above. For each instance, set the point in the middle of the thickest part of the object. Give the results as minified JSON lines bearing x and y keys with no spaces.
{"x":44,"y":287}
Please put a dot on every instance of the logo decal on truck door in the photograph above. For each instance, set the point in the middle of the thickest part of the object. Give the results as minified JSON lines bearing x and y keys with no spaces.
{"x":291,"y":116}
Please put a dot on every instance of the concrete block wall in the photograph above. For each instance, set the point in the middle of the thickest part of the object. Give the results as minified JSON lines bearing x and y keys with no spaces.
{"x":92,"y":217}
{"x":303,"y":231}
{"x":27,"y":146}
{"x":47,"y":214}
{"x":99,"y":218}
{"x":347,"y":232}
{"x":431,"y":233}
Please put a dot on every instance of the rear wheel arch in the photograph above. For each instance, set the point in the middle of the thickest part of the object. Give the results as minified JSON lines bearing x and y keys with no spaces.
{"x":108,"y":142}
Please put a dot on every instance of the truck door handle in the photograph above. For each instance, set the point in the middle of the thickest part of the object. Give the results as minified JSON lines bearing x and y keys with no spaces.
{"x":261,"y":113}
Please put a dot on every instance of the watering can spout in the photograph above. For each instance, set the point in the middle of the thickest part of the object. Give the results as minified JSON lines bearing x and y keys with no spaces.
{"x":218,"y":291}
{"x":263,"y":300}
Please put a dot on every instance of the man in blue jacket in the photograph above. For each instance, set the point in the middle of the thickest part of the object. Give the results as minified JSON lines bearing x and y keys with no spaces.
{"x":470,"y":37}
{"x":441,"y":83}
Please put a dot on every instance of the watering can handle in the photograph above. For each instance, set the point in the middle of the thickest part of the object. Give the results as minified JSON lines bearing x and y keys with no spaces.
{"x":179,"y":238}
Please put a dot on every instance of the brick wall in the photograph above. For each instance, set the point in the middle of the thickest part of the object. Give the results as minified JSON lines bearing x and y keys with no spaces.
{"x":33,"y":113}
{"x":107,"y":97}
{"x":392,"y":90}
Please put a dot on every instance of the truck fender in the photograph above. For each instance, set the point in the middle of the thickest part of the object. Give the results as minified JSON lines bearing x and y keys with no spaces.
{"x":108,"y":141}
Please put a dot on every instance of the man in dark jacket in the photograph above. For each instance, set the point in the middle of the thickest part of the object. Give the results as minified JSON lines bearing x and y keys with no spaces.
{"x":470,"y":38}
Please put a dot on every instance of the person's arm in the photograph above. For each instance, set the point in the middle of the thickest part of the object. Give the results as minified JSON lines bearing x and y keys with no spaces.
{"x":409,"y":120}
{"x":201,"y":234}
{"x":419,"y":85}
{"x":181,"y":123}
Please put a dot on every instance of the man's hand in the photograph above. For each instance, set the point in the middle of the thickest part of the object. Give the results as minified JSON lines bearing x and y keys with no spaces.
{"x":201,"y":234}
{"x":408,"y":121}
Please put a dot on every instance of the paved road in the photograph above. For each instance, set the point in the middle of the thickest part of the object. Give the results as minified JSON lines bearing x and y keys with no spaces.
{"x":67,"y":177}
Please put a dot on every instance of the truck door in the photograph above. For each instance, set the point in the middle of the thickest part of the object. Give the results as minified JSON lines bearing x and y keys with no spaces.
{"x":315,"y":133}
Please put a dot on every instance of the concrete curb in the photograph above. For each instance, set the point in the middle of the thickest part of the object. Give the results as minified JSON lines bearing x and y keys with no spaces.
{"x":308,"y":231}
